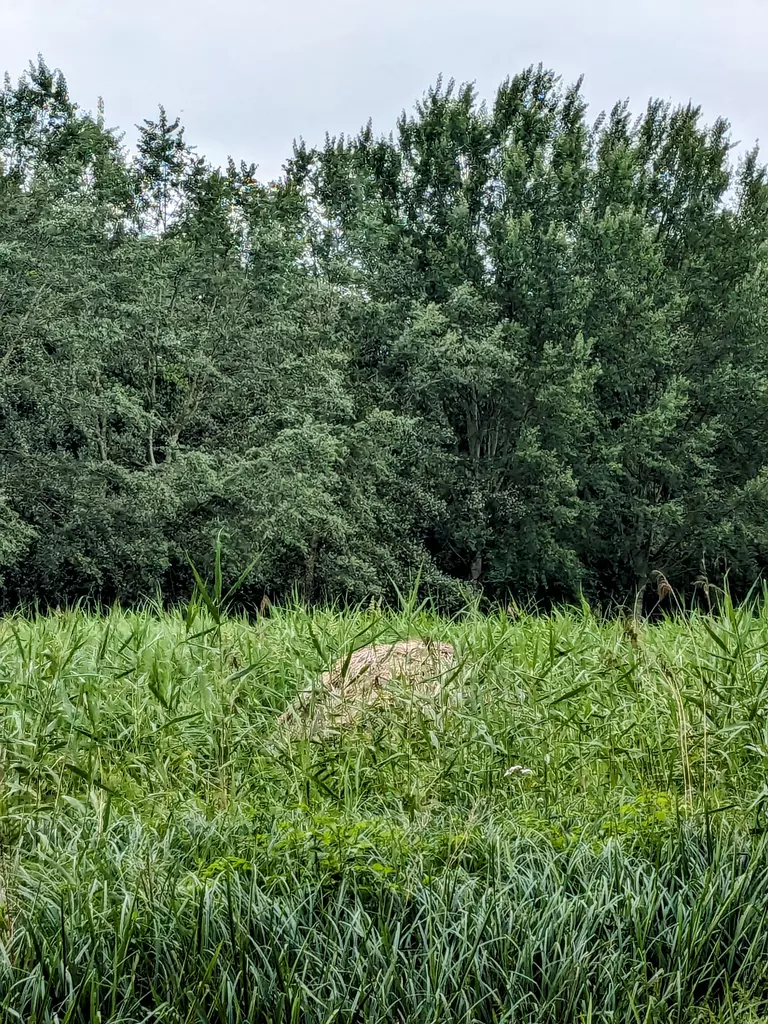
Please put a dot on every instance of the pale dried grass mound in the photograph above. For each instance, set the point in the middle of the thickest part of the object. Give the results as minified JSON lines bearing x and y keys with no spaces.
{"x":372,"y":676}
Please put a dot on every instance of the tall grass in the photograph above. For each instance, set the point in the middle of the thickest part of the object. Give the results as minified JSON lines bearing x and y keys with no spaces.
{"x":167,"y":855}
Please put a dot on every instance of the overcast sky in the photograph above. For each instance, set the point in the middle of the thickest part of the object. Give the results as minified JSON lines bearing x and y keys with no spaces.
{"x":248,"y":76}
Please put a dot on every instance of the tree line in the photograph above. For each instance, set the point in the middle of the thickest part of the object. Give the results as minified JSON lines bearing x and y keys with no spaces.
{"x":504,"y":349}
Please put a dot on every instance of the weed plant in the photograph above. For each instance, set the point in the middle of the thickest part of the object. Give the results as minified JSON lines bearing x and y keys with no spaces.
{"x":577,"y":834}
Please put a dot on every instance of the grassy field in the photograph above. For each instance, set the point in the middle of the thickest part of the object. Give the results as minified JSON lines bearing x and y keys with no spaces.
{"x":166,"y":855}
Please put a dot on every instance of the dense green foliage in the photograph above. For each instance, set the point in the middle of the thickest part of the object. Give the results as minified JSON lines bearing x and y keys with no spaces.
{"x":167,"y":855}
{"x":505,"y":348}
{"x":506,"y":353}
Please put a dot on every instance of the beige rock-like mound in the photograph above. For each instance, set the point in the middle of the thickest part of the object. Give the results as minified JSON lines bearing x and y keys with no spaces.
{"x":373,"y":675}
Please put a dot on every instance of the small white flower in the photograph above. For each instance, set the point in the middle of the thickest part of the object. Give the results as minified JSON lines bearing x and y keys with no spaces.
{"x":517,"y":769}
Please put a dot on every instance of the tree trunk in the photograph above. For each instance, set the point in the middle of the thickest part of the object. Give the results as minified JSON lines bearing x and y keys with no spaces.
{"x":151,"y":448}
{"x":153,"y":404}
{"x":637,"y":611}
{"x":102,"y":439}
{"x":310,"y":564}
{"x":476,"y":568}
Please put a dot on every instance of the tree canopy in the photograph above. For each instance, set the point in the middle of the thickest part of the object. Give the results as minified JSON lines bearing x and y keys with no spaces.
{"x":504,"y":348}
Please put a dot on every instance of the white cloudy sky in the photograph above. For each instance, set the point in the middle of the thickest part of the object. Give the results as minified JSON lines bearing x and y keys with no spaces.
{"x":248,"y":76}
